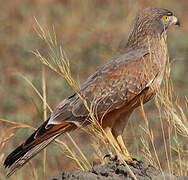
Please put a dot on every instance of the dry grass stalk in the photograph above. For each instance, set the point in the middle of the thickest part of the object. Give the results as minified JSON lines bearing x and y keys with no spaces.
{"x":59,"y":63}
{"x":44,"y":115}
{"x":176,"y":119}
{"x":172,"y":114}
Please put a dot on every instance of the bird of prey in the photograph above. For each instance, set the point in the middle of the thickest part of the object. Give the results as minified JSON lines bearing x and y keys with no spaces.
{"x":117,"y":88}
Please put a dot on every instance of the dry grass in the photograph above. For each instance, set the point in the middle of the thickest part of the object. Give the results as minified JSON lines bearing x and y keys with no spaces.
{"x":172,"y":112}
{"x":174,"y":129}
{"x":59,"y":63}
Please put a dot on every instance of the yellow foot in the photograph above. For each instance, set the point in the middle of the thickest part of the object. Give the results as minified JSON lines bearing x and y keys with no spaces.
{"x":128,"y":160}
{"x":125,"y":156}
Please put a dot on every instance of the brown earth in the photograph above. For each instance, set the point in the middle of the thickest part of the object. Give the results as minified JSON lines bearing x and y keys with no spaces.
{"x":113,"y":170}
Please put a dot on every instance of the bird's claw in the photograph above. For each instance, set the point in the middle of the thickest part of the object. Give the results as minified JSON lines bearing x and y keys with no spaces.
{"x":122,"y":160}
{"x":111,"y":157}
{"x":130,"y":161}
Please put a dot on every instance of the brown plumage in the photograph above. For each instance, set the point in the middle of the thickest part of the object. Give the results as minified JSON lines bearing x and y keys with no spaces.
{"x":116,"y":89}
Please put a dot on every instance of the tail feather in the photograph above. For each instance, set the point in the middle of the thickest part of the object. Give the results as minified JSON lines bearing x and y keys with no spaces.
{"x":34,"y":144}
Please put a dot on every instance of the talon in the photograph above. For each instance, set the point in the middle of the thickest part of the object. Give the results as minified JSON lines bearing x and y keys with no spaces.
{"x":107,"y":156}
{"x":111,"y":157}
{"x":133,"y":162}
{"x":115,"y":158}
{"x":128,"y":160}
{"x":136,"y":161}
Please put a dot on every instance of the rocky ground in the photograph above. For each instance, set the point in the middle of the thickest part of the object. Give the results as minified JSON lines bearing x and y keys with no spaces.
{"x":113,"y":170}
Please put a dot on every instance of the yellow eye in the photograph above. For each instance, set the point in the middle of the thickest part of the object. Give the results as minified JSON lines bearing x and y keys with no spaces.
{"x":166,"y":18}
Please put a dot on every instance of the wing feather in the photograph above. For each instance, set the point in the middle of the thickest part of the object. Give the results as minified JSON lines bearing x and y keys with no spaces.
{"x":111,"y":87}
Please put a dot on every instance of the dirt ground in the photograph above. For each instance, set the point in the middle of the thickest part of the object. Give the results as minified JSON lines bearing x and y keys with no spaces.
{"x":113,"y":170}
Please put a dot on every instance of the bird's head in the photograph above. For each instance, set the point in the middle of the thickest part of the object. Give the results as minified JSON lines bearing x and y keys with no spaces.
{"x":152,"y":22}
{"x":155,"y":20}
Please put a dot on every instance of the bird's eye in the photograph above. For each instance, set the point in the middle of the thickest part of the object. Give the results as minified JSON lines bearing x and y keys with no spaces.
{"x":166,"y":18}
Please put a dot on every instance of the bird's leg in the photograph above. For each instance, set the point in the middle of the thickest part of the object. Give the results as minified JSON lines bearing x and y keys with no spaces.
{"x":126,"y":156}
{"x":117,"y":131}
{"x":111,"y":138}
{"x":119,"y":146}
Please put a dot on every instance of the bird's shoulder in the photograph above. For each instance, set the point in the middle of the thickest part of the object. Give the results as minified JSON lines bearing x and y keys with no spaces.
{"x":117,"y":65}
{"x":111,"y":84}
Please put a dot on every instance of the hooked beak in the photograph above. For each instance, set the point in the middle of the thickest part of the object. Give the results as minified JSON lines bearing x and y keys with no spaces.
{"x":175,"y":21}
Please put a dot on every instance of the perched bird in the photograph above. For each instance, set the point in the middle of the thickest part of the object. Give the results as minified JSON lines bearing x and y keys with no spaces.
{"x":116,"y":89}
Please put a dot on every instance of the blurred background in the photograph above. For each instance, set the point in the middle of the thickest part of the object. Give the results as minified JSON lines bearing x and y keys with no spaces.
{"x":92,"y":33}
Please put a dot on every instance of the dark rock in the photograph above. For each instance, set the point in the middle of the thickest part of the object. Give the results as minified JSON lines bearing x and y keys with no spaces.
{"x":113,"y":170}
